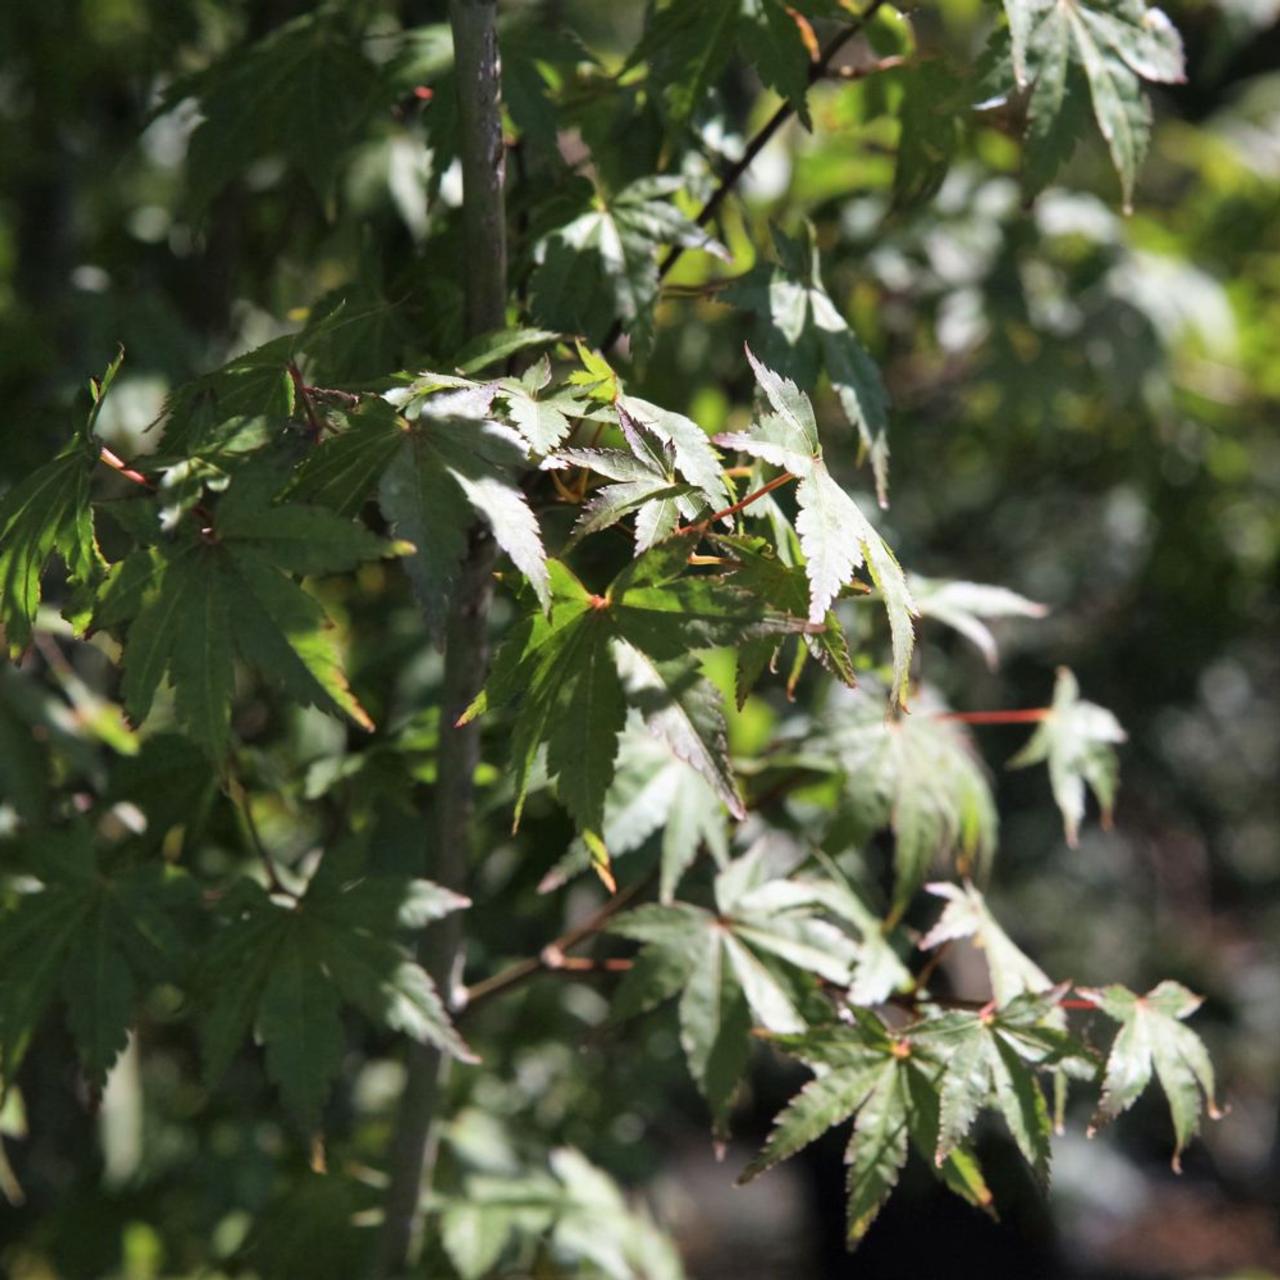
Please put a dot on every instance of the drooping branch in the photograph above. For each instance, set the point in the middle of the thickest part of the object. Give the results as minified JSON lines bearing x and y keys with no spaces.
{"x":475,"y":42}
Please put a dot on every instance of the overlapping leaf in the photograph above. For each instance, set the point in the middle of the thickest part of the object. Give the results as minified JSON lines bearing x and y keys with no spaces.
{"x":890,"y":1085}
{"x":758,"y":568}
{"x":654,"y":793}
{"x":578,"y":1206}
{"x":670,"y":472}
{"x":602,"y":266}
{"x":457,"y":463}
{"x":991,"y":1058}
{"x":966,"y":915}
{"x":1153,"y":1037}
{"x":196,"y":601}
{"x":48,"y":514}
{"x":286,"y":971}
{"x":1078,"y":740}
{"x":562,"y":669}
{"x":724,"y":965}
{"x":966,"y":606}
{"x":96,"y":939}
{"x":799,"y":329}
{"x":306,"y":92}
{"x":837,"y":539}
{"x":688,"y":43}
{"x":918,"y":775}
{"x":1063,"y":48}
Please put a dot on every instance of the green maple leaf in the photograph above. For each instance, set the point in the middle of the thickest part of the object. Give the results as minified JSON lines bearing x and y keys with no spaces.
{"x":344,"y":469}
{"x":285,"y":971}
{"x":966,"y":606}
{"x":670,"y":472}
{"x":991,"y":1059}
{"x":724,"y":966}
{"x":196,"y":601}
{"x":836,"y":538}
{"x":1062,"y":47}
{"x":891,"y":1086}
{"x":966,"y":915}
{"x":759,"y":568}
{"x":305,"y":92}
{"x":688,"y":43}
{"x":602,"y":266}
{"x":653,"y":793}
{"x":456,"y":463}
{"x":799,"y":330}
{"x":99,"y":939}
{"x":542,"y":420}
{"x":1078,"y":740}
{"x":563,"y":671}
{"x":582,"y":1208}
{"x":1152,"y":1037}
{"x":918,"y":775}
{"x":49,"y":514}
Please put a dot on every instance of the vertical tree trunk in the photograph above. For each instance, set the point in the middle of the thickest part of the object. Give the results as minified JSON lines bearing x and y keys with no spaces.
{"x":475,"y":42}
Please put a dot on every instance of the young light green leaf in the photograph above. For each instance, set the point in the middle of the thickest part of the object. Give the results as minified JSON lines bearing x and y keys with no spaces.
{"x":800,"y":329}
{"x":1152,"y":1035}
{"x":966,"y":915}
{"x":1116,"y":44}
{"x":835,"y":536}
{"x":1078,"y":740}
{"x":965,"y":607}
{"x":918,"y":775}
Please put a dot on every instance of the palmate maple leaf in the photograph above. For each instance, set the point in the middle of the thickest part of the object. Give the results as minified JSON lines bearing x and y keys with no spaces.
{"x":836,"y":538}
{"x":195,"y":601}
{"x":573,"y":671}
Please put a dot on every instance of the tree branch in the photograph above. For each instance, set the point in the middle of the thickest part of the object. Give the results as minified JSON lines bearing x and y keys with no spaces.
{"x":412,"y":1160}
{"x":552,"y":957}
{"x":817,"y":71}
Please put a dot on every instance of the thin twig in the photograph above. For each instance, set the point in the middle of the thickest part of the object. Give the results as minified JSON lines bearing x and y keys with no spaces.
{"x":551,"y":958}
{"x":240,"y":799}
{"x":861,"y":73}
{"x":734,"y":173}
{"x":315,"y":428}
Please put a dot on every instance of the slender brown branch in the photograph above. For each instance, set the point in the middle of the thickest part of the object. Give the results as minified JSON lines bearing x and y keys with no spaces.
{"x":861,"y":73}
{"x":315,"y":428}
{"x":240,"y":799}
{"x":733,"y":175}
{"x":552,"y":957}
{"x":1029,"y":715}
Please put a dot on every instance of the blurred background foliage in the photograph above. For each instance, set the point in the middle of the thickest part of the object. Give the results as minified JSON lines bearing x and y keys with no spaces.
{"x":1084,"y":410}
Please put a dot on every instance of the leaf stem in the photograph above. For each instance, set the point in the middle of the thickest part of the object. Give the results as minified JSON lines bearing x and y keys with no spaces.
{"x":118,"y":465}
{"x":240,"y":799}
{"x":1028,"y":715}
{"x":776,"y":483}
